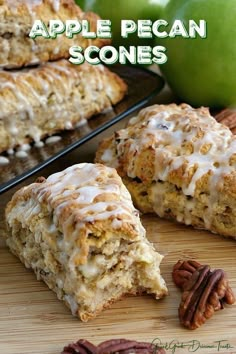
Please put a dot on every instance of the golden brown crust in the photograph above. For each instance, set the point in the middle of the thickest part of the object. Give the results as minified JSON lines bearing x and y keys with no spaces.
{"x":17,"y":49}
{"x":55,"y":96}
{"x":79,"y":231}
{"x":180,"y":163}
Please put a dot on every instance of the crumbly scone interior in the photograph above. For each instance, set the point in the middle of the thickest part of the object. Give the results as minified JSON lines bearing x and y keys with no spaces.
{"x":114,"y":260}
{"x":180,"y":163}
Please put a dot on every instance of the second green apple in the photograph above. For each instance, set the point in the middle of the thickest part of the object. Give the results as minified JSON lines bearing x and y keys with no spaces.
{"x":203,"y":71}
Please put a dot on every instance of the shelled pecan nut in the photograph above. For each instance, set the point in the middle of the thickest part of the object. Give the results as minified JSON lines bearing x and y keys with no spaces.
{"x":183,"y":271}
{"x":228,"y":118}
{"x":124,"y":346}
{"x":114,"y":346}
{"x":81,"y":347}
{"x":204,"y":292}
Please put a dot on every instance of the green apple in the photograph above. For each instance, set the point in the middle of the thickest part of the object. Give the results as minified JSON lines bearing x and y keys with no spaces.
{"x":203,"y":71}
{"x":81,"y":3}
{"x":124,"y":10}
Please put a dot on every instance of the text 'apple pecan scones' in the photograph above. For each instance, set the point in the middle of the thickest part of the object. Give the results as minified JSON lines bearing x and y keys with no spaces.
{"x":41,"y":101}
{"x":17,"y":49}
{"x":179,"y":162}
{"x":79,"y":231}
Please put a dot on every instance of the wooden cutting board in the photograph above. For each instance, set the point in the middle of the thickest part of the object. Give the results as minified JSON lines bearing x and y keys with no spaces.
{"x":32,"y":320}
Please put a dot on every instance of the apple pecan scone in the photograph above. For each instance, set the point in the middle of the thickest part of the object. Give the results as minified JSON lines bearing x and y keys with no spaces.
{"x":179,"y":162}
{"x":54,"y":96}
{"x":79,"y":231}
{"x":17,"y":49}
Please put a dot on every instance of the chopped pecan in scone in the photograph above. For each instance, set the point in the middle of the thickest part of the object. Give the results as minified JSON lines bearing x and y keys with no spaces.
{"x":79,"y":231}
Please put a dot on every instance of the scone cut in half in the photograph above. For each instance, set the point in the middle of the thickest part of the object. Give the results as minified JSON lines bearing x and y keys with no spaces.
{"x":52,"y":97}
{"x":17,"y":17}
{"x":79,"y":231}
{"x":179,"y":162}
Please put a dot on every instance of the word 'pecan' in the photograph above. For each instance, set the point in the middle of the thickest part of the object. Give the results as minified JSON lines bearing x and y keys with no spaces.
{"x":113,"y":346}
{"x":204,"y":292}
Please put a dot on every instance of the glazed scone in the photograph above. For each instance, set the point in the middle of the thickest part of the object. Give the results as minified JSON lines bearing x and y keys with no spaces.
{"x":17,"y":49}
{"x":179,"y":162}
{"x":79,"y":231}
{"x":54,"y":96}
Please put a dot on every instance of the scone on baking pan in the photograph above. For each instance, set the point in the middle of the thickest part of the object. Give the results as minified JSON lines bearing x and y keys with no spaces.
{"x":79,"y":231}
{"x":179,"y":162}
{"x":17,"y":49}
{"x":41,"y":101}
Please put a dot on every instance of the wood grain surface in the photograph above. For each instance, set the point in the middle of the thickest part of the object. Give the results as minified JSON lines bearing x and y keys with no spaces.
{"x":33,"y":321}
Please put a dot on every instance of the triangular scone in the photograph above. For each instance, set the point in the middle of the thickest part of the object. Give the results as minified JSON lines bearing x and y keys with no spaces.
{"x":17,"y":18}
{"x":80,"y":233}
{"x":179,"y":162}
{"x":41,"y":101}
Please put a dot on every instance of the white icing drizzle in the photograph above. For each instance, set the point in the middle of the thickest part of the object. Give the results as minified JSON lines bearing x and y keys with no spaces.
{"x":81,"y":123}
{"x":167,"y":131}
{"x":81,"y":180}
{"x":116,"y":223}
{"x":89,"y":193}
{"x":30,"y":90}
{"x":52,"y":139}
{"x":108,"y":110}
{"x":4,"y":161}
{"x":18,"y":84}
{"x":31,"y":8}
{"x":68,"y":125}
{"x":24,"y":147}
{"x":10,"y":151}
{"x":13,"y":129}
{"x":21,"y":154}
{"x":107,"y":155}
{"x":55,"y":5}
{"x":25,"y":98}
{"x":39,"y":144}
{"x":23,"y":101}
{"x":31,"y":4}
{"x":72,"y":196}
{"x":56,"y":50}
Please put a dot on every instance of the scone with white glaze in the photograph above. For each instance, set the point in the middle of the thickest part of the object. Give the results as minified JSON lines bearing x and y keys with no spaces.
{"x":17,"y":17}
{"x":180,"y":163}
{"x":79,"y":231}
{"x":41,"y":101}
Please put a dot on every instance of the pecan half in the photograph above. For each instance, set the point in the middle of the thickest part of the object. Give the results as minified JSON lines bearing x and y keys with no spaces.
{"x":228,"y":118}
{"x":81,"y":347}
{"x":113,"y":346}
{"x":204,"y":292}
{"x":183,"y":271}
{"x":124,"y":346}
